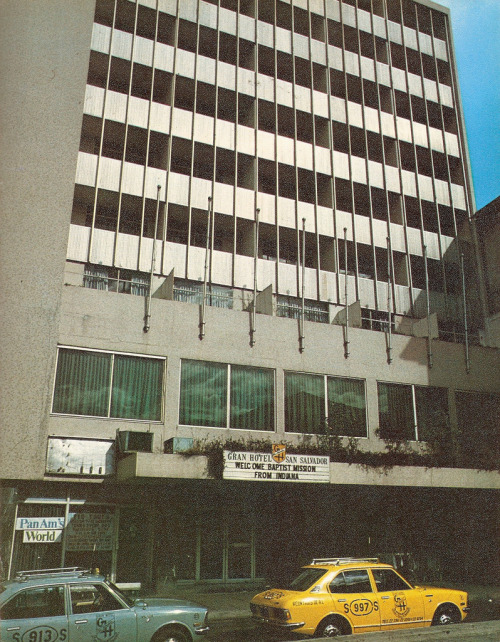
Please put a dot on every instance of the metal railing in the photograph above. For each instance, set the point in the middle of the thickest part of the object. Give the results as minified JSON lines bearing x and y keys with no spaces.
{"x":215,"y":298}
{"x":292,"y":310}
{"x":115,"y":284}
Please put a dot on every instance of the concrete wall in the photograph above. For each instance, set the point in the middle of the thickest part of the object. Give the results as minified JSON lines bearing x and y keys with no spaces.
{"x":110,"y":321}
{"x":44,"y":48}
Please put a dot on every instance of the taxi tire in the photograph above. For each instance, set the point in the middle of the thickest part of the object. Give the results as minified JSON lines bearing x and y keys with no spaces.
{"x":171,"y":634}
{"x":446,"y":614}
{"x":332,"y":627}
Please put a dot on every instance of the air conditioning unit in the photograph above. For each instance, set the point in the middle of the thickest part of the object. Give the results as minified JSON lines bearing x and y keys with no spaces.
{"x":133,"y":441}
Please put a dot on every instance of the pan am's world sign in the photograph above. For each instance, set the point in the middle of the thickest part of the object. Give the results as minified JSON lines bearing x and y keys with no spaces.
{"x":277,"y":466}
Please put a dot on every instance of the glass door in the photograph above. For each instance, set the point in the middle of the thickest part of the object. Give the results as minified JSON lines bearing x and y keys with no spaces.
{"x":239,"y":549}
{"x":211,"y":537}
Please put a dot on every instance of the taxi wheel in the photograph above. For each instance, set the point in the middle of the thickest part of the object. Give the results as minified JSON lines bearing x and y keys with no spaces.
{"x":446,"y":615}
{"x":332,"y":627}
{"x":171,"y":634}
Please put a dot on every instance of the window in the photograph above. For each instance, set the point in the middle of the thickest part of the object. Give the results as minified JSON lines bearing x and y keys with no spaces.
{"x":92,"y":598}
{"x":205,"y":399}
{"x":218,"y":296}
{"x":376,"y":320}
{"x":317,"y":403}
{"x":100,"y":384}
{"x":478,"y":418}
{"x":356,"y":581}
{"x":47,"y":601}
{"x":291,"y":308}
{"x":102,"y":277}
{"x":387,"y":580}
{"x":408,"y":412}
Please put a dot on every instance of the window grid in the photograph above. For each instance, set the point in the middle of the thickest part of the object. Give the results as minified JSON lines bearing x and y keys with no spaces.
{"x":153,"y":401}
{"x":328,"y":426}
{"x":438,"y":414}
{"x":299,"y":60}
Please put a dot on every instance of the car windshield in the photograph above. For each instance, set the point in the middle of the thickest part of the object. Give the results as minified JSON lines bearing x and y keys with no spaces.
{"x":306,"y":578}
{"x":121,"y":594}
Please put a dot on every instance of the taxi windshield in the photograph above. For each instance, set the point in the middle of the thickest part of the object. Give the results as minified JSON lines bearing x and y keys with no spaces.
{"x":124,"y":597}
{"x":305,"y":579}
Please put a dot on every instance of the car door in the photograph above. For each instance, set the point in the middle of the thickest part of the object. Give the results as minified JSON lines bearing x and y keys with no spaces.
{"x":35,"y":614}
{"x":353,"y":597}
{"x":401,"y":606}
{"x":97,"y":615}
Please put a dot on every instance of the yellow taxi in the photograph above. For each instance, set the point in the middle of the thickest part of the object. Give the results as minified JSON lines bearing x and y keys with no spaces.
{"x":340,"y":596}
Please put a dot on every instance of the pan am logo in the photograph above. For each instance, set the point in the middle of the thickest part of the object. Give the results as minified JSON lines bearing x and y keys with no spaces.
{"x":401,"y":608}
{"x":279,"y":453}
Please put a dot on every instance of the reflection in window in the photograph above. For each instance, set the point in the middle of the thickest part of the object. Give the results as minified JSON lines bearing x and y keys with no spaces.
{"x":387,"y":580}
{"x":47,"y":601}
{"x":396,"y":415}
{"x":204,"y":398}
{"x":356,"y":581}
{"x":101,"y":384}
{"x":102,"y":277}
{"x":409,"y":412}
{"x":93,"y":598}
{"x":218,"y":296}
{"x":317,"y":404}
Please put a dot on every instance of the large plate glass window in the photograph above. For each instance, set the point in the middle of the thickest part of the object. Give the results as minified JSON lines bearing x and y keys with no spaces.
{"x":408,"y":412}
{"x":478,"y":418}
{"x":101,"y":384}
{"x":221,"y":395}
{"x":318,"y":404}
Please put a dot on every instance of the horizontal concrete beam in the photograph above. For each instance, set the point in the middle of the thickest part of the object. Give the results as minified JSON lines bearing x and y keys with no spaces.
{"x":417,"y":476}
{"x":151,"y":465}
{"x":139,"y":466}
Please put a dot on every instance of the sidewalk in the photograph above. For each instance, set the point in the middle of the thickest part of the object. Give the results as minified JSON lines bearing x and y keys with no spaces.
{"x":227,"y":603}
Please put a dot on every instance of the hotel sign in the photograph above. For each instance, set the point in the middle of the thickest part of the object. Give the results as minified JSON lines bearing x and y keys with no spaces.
{"x":276,"y":466}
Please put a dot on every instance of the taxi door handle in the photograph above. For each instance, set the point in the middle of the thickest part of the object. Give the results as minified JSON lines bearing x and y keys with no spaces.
{"x":341,"y":600}
{"x":385,"y":597}
{"x":13,"y":628}
{"x":81,"y":621}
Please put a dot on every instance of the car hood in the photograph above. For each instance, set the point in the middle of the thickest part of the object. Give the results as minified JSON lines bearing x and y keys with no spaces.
{"x":163,"y":602}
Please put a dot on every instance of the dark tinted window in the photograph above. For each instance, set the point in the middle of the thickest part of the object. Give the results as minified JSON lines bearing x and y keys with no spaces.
{"x":46,"y":601}
{"x":306,"y":579}
{"x":92,"y":598}
{"x":356,"y":581}
{"x":387,"y":580}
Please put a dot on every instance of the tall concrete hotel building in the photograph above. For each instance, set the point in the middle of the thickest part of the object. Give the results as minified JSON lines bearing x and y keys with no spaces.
{"x":244,"y":320}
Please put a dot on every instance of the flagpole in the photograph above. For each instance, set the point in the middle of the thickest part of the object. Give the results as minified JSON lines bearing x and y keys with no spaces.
{"x":302,"y":309}
{"x":466,"y":328}
{"x":205,"y":275}
{"x":346,"y":336}
{"x":255,"y":264}
{"x":147,"y":319}
{"x":429,"y":337}
{"x":389,"y":302}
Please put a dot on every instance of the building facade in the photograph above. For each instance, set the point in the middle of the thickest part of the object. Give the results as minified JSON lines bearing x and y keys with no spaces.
{"x":245,"y":323}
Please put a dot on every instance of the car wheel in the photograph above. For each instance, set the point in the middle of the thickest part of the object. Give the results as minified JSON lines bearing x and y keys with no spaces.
{"x":445,"y":615}
{"x":332,"y":627}
{"x":172,"y":634}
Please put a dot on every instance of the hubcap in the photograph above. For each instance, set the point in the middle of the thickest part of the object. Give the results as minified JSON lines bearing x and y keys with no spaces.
{"x":445,"y":619}
{"x":331,"y":631}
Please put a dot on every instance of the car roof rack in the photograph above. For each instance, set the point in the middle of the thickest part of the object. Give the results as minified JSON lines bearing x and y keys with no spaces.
{"x":343,"y":560}
{"x":52,"y":572}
